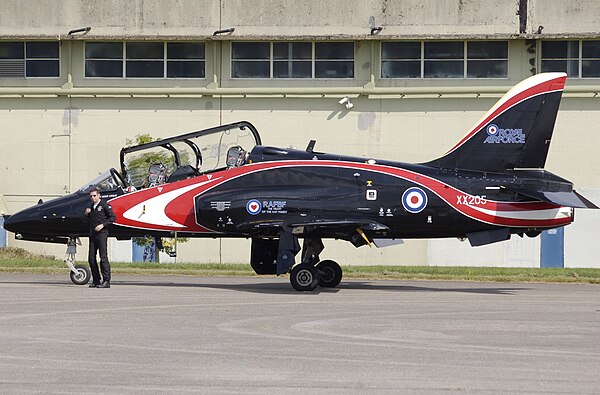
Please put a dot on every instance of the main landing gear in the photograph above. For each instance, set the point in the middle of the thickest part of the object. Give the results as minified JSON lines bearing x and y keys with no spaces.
{"x":276,"y":256}
{"x":311,"y":272}
{"x":306,"y":277}
{"x":80,"y":274}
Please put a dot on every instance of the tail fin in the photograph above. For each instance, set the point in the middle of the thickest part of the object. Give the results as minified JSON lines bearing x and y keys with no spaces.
{"x":514,"y":133}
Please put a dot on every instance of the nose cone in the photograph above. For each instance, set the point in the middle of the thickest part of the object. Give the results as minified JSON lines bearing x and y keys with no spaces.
{"x":59,"y":217}
{"x":25,"y":221}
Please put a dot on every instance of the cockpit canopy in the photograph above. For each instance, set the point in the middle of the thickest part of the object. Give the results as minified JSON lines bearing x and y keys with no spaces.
{"x":188,"y":155}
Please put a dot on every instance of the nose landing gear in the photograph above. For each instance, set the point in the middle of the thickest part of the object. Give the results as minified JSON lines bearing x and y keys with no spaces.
{"x":80,"y":274}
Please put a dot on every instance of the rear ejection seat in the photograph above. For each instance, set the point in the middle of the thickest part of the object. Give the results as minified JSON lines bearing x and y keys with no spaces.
{"x":182,"y":173}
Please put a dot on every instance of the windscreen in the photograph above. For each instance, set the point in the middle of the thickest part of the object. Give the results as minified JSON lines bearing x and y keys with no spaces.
{"x":104,"y":182}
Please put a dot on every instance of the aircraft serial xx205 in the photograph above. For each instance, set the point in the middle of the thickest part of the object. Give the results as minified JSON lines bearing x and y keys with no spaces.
{"x":223,"y":183}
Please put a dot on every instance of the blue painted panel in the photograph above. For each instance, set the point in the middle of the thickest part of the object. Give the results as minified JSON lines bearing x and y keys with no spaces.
{"x":143,"y":254}
{"x":2,"y":233}
{"x":553,"y":248}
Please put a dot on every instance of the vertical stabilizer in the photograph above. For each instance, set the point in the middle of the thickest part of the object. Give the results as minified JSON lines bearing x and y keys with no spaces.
{"x":514,"y":133}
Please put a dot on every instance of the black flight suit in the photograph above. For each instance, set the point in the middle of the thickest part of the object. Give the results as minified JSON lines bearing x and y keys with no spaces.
{"x":103,"y":214}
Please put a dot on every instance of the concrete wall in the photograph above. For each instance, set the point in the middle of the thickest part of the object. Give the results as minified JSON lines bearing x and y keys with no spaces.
{"x":262,"y":17}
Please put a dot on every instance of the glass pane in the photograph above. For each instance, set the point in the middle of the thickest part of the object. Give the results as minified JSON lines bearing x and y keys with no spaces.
{"x":144,"y":50}
{"x":292,"y":51}
{"x":590,"y":49}
{"x":141,"y":69}
{"x":334,"y":50}
{"x":42,"y":68}
{"x":487,"y":69}
{"x":568,"y":66}
{"x":12,"y":50}
{"x":487,"y":50}
{"x":185,"y":50}
{"x":249,"y":69}
{"x":185,"y":69}
{"x":332,"y":69}
{"x":444,"y":50}
{"x":401,"y":50}
{"x":250,"y":50}
{"x":590,"y":68}
{"x":104,"y":68}
{"x":42,"y":49}
{"x":448,"y":69}
{"x":297,"y":69}
{"x":103,"y":50}
{"x":560,"y":49}
{"x":407,"y":69}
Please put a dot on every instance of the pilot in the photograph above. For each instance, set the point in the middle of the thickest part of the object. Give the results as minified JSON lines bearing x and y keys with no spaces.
{"x":100,"y":216}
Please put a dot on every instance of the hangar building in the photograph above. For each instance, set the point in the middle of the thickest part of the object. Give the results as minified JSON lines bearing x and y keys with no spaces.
{"x":78,"y":78}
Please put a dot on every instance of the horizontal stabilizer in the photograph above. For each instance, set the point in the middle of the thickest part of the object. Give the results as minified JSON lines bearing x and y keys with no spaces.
{"x":566,"y":199}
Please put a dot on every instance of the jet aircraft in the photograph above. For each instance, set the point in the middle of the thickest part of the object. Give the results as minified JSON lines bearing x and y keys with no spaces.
{"x":222,"y":182}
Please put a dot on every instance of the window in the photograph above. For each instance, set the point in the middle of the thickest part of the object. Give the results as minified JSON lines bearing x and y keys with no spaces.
{"x":250,"y":60}
{"x":103,"y":59}
{"x":444,"y":59}
{"x":292,"y":60}
{"x":145,"y":59}
{"x":401,"y":60}
{"x":590,"y":59}
{"x":561,"y":56}
{"x":29,"y":59}
{"x":185,"y":60}
{"x":334,"y":60}
{"x":579,"y":59}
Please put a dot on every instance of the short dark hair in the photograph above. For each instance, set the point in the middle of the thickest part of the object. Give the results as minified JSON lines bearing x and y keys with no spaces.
{"x":95,"y":189}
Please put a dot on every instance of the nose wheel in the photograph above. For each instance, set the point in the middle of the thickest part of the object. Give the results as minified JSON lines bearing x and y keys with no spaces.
{"x":81,"y":275}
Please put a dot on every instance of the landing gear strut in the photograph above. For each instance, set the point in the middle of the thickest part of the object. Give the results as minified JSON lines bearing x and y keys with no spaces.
{"x":310,"y":272}
{"x":80,"y":274}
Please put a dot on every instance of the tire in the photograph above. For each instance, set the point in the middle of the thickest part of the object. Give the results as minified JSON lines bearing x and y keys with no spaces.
{"x":304,"y":277}
{"x":82,"y":276}
{"x":330,"y":273}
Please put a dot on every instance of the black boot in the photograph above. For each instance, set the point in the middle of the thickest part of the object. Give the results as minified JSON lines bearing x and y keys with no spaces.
{"x":104,"y":284}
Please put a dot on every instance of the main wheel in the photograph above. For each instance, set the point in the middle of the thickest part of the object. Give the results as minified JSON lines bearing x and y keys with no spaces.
{"x":330,"y":273}
{"x":304,"y":277}
{"x":82,"y":276}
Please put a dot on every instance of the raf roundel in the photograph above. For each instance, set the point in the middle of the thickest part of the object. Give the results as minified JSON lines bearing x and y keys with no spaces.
{"x":414,"y":200}
{"x":253,"y":207}
{"x":492,"y":130}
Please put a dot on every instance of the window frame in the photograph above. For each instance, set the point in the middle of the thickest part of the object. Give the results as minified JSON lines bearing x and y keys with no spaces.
{"x":422,"y":60}
{"x":313,"y":61}
{"x":164,"y":61}
{"x":26,"y":59}
{"x":580,"y":59}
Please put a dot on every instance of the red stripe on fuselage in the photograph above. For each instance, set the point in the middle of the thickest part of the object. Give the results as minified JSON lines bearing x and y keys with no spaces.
{"x":181,"y":209}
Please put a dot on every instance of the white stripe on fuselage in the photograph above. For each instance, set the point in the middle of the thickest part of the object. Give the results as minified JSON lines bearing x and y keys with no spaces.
{"x":548,"y":214}
{"x":152,"y":211}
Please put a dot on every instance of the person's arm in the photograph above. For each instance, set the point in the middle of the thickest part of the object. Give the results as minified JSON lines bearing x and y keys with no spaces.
{"x":110,"y":215}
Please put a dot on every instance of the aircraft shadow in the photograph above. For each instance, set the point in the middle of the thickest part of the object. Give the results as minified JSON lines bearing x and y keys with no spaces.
{"x":284,"y":287}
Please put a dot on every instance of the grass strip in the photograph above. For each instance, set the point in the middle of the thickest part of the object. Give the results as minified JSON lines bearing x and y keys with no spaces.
{"x":20,"y":261}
